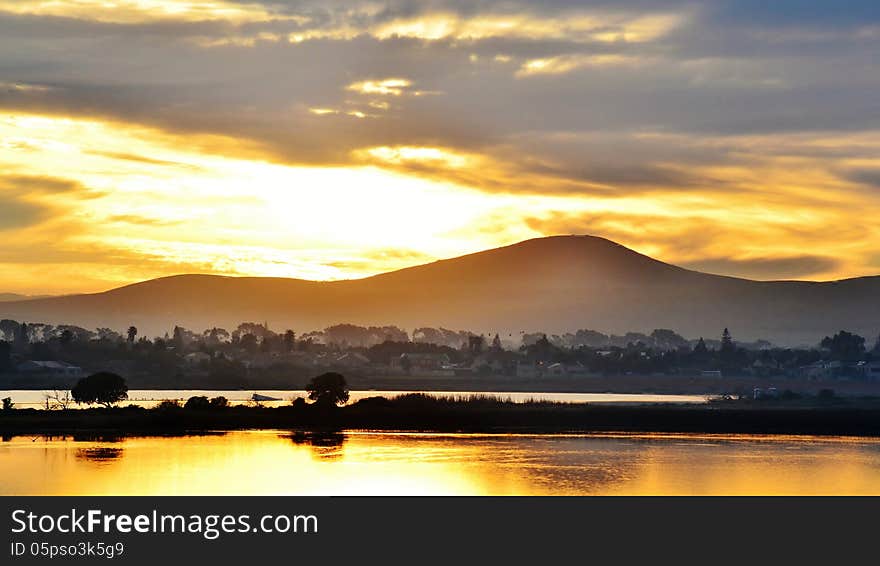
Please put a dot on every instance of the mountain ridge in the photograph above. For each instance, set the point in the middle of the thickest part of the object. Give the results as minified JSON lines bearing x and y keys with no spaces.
{"x":554,"y":284}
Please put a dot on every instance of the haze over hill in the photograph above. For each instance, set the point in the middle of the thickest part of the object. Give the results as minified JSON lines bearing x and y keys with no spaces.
{"x":5,"y":297}
{"x":555,"y":284}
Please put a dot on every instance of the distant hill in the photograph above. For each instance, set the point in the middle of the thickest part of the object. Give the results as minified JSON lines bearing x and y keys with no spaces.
{"x":6,"y":297}
{"x":554,"y":284}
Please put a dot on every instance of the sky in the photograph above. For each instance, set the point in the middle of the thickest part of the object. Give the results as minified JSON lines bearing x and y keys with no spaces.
{"x":338,"y":139}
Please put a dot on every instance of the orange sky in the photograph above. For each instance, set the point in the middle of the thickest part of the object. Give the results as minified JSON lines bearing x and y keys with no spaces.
{"x":150,"y":137}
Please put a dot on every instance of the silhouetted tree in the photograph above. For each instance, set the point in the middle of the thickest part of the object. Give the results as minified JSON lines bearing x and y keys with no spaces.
{"x":178,"y":339}
{"x":542,"y":350}
{"x":21,"y":336}
{"x":845,"y":346}
{"x":701,"y":352}
{"x":248,"y":342}
{"x":476,"y":344}
{"x":5,"y":356}
{"x":104,"y":388}
{"x":727,"y":341}
{"x":215,"y":336}
{"x":328,"y":389}
{"x":666,"y":339}
{"x":220,"y":402}
{"x":8,"y":404}
{"x":132,"y":334}
{"x":289,"y":340}
{"x":728,"y":348}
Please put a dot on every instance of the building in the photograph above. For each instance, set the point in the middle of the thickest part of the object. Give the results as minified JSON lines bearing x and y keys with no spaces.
{"x":352,"y":360}
{"x":714,"y":373}
{"x":196,"y":359}
{"x":556,"y":370}
{"x":870,"y":370}
{"x":422,"y":363}
{"x":50,"y":368}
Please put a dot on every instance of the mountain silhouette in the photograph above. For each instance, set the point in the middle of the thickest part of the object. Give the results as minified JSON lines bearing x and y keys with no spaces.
{"x":554,"y":284}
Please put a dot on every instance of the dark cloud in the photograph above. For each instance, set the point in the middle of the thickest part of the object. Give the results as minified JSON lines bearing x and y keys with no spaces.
{"x":143,"y":159}
{"x":19,"y":214}
{"x":20,"y":184}
{"x":731,"y":68}
{"x":865,"y":176}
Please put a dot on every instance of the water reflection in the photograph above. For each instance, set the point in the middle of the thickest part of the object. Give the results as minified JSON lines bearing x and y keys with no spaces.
{"x":363,"y":463}
{"x":99,"y":454}
{"x":325,"y":444}
{"x":96,"y":437}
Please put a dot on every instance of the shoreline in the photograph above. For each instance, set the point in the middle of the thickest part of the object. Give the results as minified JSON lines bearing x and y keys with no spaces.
{"x":417,"y":413}
{"x":618,"y":384}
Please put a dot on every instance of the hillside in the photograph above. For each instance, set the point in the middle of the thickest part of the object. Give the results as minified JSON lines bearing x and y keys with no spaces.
{"x":553,"y":284}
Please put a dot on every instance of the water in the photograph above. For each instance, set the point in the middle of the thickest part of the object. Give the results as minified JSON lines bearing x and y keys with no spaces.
{"x":374,"y":463}
{"x":152,"y":397}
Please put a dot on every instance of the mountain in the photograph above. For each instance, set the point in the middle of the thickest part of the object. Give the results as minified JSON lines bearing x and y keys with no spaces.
{"x":554,"y":284}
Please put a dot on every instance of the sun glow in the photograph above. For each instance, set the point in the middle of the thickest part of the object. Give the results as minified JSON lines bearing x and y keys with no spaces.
{"x":109,"y":203}
{"x":133,"y":11}
{"x":167,"y":207}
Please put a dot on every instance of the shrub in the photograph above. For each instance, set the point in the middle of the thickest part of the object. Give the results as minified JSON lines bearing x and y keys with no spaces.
{"x":198,"y":403}
{"x":168,"y":405}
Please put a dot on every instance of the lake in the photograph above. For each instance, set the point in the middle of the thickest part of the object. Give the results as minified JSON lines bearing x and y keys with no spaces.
{"x":151,"y":397}
{"x":382,"y":463}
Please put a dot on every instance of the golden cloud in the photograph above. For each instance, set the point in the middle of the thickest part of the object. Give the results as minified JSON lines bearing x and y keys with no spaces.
{"x":385,"y":87}
{"x":136,"y":11}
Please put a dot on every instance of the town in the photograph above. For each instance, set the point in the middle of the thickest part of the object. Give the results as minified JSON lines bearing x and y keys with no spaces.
{"x":43,"y":356}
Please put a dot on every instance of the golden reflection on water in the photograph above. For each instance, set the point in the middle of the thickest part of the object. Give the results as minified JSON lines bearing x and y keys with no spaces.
{"x":363,"y":463}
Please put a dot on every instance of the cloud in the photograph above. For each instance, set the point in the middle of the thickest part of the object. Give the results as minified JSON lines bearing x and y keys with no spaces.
{"x":29,"y":184}
{"x":693,"y":130}
{"x":141,"y":220}
{"x":16,"y":214}
{"x":562,"y":64}
{"x":143,"y":159}
{"x":394,"y":87}
{"x":865,"y":175}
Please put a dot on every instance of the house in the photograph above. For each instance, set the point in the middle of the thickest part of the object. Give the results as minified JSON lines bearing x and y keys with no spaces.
{"x":352,"y":360}
{"x":814,"y":371}
{"x":870,"y":370}
{"x":487,"y":363}
{"x":768,"y":393}
{"x":422,"y":363}
{"x":556,"y":370}
{"x":50,"y":368}
{"x":528,"y":370}
{"x":196,"y":359}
